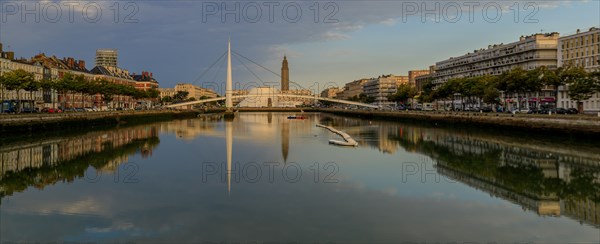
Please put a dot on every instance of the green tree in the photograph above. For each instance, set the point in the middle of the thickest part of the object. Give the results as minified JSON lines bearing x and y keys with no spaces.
{"x":1,"y":90}
{"x":552,"y":77}
{"x":426,"y":90}
{"x":446,"y":92}
{"x":180,"y":96}
{"x":107,"y":91}
{"x":166,"y":99}
{"x":153,"y":93}
{"x":16,"y":80}
{"x":49,"y":85}
{"x":488,"y":91}
{"x":517,"y":80}
{"x":581,"y":89}
{"x":31,"y":86}
{"x":68,"y":84}
{"x":403,"y":93}
{"x":536,"y":80}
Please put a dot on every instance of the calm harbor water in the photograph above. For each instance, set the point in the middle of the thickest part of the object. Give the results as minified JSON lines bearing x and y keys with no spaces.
{"x":262,"y":177}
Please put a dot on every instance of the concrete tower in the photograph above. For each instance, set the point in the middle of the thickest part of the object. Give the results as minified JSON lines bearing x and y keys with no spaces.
{"x":228,"y":84}
{"x":107,"y":57}
{"x":285,"y":75}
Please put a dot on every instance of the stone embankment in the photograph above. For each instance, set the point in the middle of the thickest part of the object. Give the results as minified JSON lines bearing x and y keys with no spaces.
{"x":22,"y":123}
{"x":557,"y":124}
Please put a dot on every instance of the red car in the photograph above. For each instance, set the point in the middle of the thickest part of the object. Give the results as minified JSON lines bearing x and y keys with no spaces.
{"x":51,"y":110}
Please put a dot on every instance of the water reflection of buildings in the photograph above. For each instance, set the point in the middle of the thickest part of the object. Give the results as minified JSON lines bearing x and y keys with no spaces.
{"x":253,"y":126}
{"x":41,"y":162}
{"x":539,"y":178}
{"x":53,"y":151}
{"x":547,"y":178}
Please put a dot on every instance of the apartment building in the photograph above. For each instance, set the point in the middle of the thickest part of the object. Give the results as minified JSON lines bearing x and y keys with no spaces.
{"x":352,"y":89}
{"x":330,"y":92}
{"x":413,"y":74}
{"x":421,"y":79}
{"x":145,"y":81}
{"x":528,"y":53}
{"x":195,"y":91}
{"x":580,"y":49}
{"x":381,"y":88}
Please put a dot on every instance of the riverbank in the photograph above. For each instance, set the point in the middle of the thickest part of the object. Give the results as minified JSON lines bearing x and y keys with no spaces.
{"x":557,"y":124}
{"x":29,"y":123}
{"x":580,"y":125}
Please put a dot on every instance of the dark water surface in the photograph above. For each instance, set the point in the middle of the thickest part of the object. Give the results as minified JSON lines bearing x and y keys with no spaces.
{"x":173,"y":182}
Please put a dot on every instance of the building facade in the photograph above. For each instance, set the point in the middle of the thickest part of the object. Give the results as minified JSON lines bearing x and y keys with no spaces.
{"x":330,"y":92}
{"x":166,"y":92}
{"x":194,"y":91}
{"x":421,"y":79}
{"x":528,"y":53}
{"x":107,"y":57}
{"x":583,"y":50}
{"x":413,"y":74}
{"x":145,"y":81}
{"x":352,"y":89}
{"x":380,"y":89}
{"x":400,"y":79}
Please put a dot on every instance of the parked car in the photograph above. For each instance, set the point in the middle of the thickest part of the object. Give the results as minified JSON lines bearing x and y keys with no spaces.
{"x":532,"y":111}
{"x":486,"y":109}
{"x":572,"y":111}
{"x":562,"y":111}
{"x":51,"y":110}
{"x":547,"y":111}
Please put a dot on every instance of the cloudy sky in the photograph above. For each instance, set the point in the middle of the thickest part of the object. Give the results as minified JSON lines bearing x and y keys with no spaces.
{"x":327,"y":42}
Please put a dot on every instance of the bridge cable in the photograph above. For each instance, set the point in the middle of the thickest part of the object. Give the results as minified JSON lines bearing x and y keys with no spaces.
{"x":218,"y":71}
{"x":210,"y":67}
{"x":238,"y":59}
{"x":278,"y":75}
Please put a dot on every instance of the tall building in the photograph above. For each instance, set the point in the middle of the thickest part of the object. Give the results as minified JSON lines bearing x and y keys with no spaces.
{"x":400,"y":79}
{"x":107,"y":57}
{"x":412,"y":76}
{"x":580,"y":49}
{"x":421,"y":79}
{"x":285,"y":75}
{"x":528,"y":53}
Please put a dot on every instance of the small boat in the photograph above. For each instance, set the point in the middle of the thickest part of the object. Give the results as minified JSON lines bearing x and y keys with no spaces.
{"x":296,"y":117}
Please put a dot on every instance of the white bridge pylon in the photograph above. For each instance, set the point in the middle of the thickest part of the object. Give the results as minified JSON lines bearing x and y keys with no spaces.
{"x":271,"y":95}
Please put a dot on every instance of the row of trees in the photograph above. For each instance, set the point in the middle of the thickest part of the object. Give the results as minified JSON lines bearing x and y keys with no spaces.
{"x":515,"y":83}
{"x":18,"y":80}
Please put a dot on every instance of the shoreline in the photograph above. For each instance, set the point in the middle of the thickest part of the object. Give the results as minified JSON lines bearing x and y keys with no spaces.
{"x":558,"y":125}
{"x":21,"y":124}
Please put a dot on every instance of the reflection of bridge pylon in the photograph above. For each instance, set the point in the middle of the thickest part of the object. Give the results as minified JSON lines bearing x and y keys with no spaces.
{"x":229,"y":142}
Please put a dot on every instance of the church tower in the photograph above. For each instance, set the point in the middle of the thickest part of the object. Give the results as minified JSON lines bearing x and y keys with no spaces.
{"x":285,"y":75}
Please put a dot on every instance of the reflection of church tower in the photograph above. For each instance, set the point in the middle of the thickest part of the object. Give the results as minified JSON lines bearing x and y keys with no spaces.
{"x":285,"y":140}
{"x":285,"y":75}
